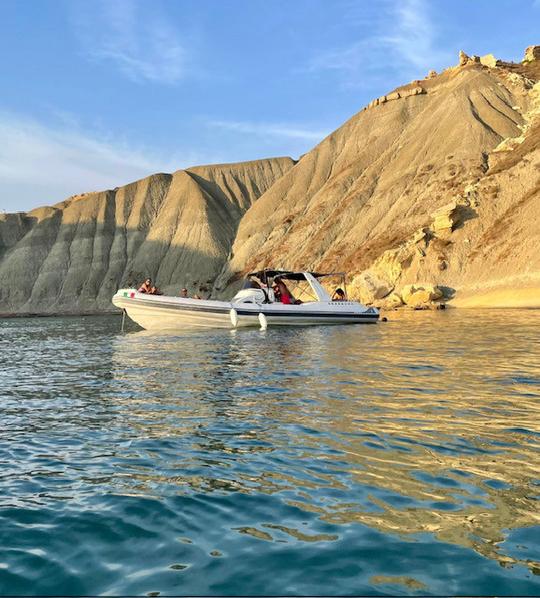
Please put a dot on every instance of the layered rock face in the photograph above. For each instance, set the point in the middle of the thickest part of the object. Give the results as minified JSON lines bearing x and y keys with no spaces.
{"x":431,"y":193}
{"x":435,"y":183}
{"x":178,"y":229}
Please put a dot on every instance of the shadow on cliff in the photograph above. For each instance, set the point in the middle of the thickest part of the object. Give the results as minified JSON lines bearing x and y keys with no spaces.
{"x":49,"y":267}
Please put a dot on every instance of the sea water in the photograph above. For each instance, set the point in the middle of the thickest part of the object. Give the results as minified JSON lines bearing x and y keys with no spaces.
{"x":397,"y":458}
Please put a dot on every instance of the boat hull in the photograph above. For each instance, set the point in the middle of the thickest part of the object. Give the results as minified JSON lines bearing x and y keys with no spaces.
{"x":173,"y":313}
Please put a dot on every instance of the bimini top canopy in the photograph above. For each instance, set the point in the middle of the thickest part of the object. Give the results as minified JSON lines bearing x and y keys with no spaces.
{"x":289,"y":275}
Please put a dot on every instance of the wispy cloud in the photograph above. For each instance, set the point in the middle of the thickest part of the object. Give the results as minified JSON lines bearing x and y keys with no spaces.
{"x":402,"y":41}
{"x":414,"y":39}
{"x":45,"y":164}
{"x":134,"y":37}
{"x":283,"y":130}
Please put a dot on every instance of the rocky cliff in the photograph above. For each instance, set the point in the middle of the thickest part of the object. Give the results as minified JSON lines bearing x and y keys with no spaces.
{"x":430,"y":193}
{"x":436,"y":182}
{"x":178,"y":229}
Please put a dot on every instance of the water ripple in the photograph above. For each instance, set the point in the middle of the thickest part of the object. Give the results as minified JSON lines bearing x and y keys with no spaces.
{"x":398,"y":458}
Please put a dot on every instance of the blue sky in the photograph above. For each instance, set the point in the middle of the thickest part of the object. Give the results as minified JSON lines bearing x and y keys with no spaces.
{"x":95,"y":94}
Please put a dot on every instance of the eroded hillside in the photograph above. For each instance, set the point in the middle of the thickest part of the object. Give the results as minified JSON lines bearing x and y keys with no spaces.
{"x":434,"y":186}
{"x":178,"y":229}
{"x":436,"y":182}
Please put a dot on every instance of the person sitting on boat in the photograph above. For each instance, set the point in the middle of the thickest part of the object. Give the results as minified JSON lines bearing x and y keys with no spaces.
{"x":184,"y":294}
{"x":281,"y":292}
{"x":146,"y":286}
{"x":339,"y":295}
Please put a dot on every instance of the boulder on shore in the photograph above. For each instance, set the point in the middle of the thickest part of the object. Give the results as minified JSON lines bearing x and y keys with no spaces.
{"x":420,"y":295}
{"x":367,"y":288}
{"x":390,"y":301}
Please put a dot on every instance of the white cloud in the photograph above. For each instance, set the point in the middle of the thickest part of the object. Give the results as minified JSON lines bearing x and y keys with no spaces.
{"x":282,"y":130}
{"x":402,"y":42}
{"x":414,"y":39}
{"x":45,"y":164}
{"x":133,"y":37}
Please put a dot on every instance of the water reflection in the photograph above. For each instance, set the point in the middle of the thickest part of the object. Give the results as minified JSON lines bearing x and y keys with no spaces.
{"x":409,"y":428}
{"x":424,"y":427}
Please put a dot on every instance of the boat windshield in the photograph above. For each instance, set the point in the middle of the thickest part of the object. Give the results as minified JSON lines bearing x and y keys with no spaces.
{"x":251,"y":283}
{"x":334,"y":282}
{"x":302,"y":288}
{"x":297,"y":285}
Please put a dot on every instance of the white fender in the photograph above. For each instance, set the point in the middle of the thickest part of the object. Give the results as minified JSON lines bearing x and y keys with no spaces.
{"x":234,"y":317}
{"x":263,"y":321}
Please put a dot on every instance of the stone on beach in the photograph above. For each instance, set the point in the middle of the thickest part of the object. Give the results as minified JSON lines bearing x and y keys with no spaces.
{"x":391,"y":301}
{"x":367,"y":288}
{"x":418,"y":295}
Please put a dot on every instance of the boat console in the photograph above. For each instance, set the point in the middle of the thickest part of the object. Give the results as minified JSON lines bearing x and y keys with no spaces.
{"x":254,"y":296}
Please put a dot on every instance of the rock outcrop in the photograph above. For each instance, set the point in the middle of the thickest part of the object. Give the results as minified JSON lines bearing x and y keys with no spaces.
{"x":463,"y":58}
{"x":445,"y":218}
{"x":532,"y":53}
{"x":420,"y":295}
{"x":395,"y":192}
{"x":490,"y":61}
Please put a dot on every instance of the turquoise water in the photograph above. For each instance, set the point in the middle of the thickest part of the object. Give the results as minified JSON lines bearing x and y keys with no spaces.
{"x":401,"y":458}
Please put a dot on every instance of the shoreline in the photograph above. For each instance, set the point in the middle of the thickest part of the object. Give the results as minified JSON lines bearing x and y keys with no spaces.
{"x":465,"y":306}
{"x":500,"y":298}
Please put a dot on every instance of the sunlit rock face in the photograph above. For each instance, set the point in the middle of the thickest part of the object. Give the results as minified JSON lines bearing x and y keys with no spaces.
{"x":420,"y":162}
{"x":436,"y":182}
{"x":177,"y":229}
{"x":532,"y":53}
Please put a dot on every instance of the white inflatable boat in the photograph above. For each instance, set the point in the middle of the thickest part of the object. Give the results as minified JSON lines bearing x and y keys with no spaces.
{"x":256,"y":305}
